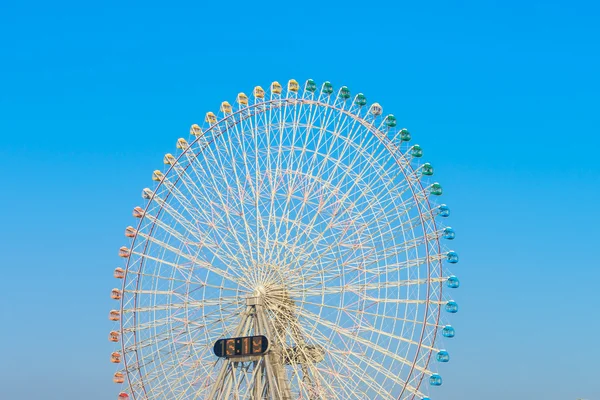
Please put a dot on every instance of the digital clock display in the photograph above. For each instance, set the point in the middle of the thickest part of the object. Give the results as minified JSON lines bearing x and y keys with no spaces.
{"x":242,"y":346}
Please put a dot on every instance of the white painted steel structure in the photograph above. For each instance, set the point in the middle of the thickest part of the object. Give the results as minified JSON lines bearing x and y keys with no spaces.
{"x":304,"y":216}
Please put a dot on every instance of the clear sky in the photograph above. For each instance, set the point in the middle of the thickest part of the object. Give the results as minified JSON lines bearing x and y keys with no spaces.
{"x":503,"y":96}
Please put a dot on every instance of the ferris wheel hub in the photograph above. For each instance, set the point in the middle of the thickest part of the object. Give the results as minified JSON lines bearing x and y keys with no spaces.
{"x":260,"y":291}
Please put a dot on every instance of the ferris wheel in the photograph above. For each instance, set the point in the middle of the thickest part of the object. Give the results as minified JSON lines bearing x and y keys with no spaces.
{"x":292,"y":248}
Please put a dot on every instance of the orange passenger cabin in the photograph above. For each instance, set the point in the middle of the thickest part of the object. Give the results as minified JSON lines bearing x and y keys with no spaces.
{"x":115,"y":294}
{"x":119,"y":378}
{"x":113,"y":336}
{"x":115,"y":357}
{"x":119,"y":273}
{"x":124,"y":252}
{"x":138,"y":212}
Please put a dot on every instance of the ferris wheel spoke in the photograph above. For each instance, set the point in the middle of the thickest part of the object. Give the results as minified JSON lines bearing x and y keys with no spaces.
{"x":321,"y":134}
{"x":357,"y":288}
{"x":180,"y":376}
{"x":345,"y":333}
{"x":284,"y":167}
{"x":243,"y":244}
{"x":387,"y":248}
{"x":177,"y":366}
{"x":200,"y":217}
{"x":206,"y":318}
{"x":195,"y":210}
{"x":188,"y":304}
{"x":391,"y":267}
{"x":320,"y":172}
{"x":361,"y":313}
{"x":328,"y":227}
{"x":270,"y":182}
{"x":363,"y":379}
{"x":364,"y":313}
{"x":274,"y":176}
{"x":224,"y":206}
{"x":251,"y":237}
{"x":332,"y":223}
{"x":210,"y":319}
{"x":216,"y":249}
{"x":366,"y":262}
{"x":380,"y":369}
{"x":194,"y":261}
{"x":343,"y":358}
{"x":298,"y":338}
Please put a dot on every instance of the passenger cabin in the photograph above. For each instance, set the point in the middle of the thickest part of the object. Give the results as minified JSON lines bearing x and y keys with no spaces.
{"x":113,"y":336}
{"x":123,"y":396}
{"x":157,"y":176}
{"x":405,"y":135}
{"x":452,"y":307}
{"x":138,"y":212}
{"x":390,"y":121}
{"x":124,"y":252}
{"x":344,"y":93}
{"x":360,"y":100}
{"x":443,"y":210}
{"x":115,"y":357}
{"x":449,"y":233}
{"x":276,"y":88}
{"x":452,"y":282}
{"x":452,"y":257}
{"x":115,"y":294}
{"x":435,"y":380}
{"x":211,"y":118}
{"x":242,"y":99}
{"x":169,"y":159}
{"x":182,"y":144}
{"x":327,"y":88}
{"x":118,"y":377}
{"x":427,"y":169}
{"x":226,"y":108}
{"x":310,"y":86}
{"x":448,"y":331}
{"x":259,"y":92}
{"x":376,"y":109}
{"x":195,"y":130}
{"x":114,"y":315}
{"x":119,"y":273}
{"x":436,"y":189}
{"x":130,"y":232}
{"x":293,"y":85}
{"x":416,"y":151}
{"x":147,"y":194}
{"x":442,"y":356}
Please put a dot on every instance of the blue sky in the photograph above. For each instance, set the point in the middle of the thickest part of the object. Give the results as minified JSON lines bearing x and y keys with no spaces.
{"x":503,"y":97}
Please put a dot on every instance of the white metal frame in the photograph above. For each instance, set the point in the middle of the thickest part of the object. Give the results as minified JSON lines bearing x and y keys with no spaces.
{"x":303,"y":194}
